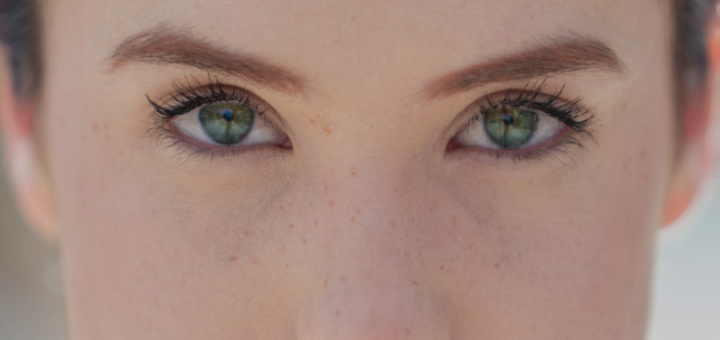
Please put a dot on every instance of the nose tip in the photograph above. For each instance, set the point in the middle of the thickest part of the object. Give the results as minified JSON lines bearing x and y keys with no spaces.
{"x":373,"y":291}
{"x":365,"y":309}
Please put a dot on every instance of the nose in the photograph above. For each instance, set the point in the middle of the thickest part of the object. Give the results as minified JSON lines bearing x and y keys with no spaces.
{"x":373,"y":282}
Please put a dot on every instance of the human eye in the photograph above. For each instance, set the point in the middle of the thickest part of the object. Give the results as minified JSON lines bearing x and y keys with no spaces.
{"x":215,"y":120}
{"x":525,"y":124}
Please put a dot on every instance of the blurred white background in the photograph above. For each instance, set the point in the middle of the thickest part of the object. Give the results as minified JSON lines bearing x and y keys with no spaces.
{"x":686,"y":304}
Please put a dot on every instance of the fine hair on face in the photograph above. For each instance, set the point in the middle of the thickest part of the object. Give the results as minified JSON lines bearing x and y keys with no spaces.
{"x":406,"y":169}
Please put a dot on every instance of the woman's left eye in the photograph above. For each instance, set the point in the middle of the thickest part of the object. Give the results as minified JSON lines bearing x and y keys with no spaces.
{"x":224,"y":124}
{"x":509,"y":128}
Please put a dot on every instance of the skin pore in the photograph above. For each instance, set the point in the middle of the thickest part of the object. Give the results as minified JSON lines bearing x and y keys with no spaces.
{"x":363,"y":212}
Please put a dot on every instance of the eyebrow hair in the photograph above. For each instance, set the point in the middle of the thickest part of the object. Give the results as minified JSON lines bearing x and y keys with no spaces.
{"x":167,"y":46}
{"x":560,"y":56}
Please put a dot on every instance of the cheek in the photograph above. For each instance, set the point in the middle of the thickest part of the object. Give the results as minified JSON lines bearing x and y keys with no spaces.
{"x":142,"y":233}
{"x":576,"y":239}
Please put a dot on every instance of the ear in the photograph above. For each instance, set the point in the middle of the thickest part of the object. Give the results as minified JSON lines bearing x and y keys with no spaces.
{"x":25,"y":170}
{"x":699,"y":152}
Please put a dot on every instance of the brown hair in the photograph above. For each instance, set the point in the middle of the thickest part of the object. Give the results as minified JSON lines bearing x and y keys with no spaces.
{"x":20,"y":31}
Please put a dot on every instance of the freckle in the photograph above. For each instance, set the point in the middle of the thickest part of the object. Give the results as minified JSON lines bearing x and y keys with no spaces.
{"x":287,"y":265}
{"x":643,"y":154}
{"x":312,"y":121}
{"x":352,"y":218}
{"x":289,"y":205}
{"x":352,"y":173}
{"x":407,"y":253}
{"x":121,"y":153}
{"x":305,"y":241}
{"x":291,"y":226}
{"x":233,"y":258}
{"x":415,"y":283}
{"x":325,"y":283}
{"x":342,"y":278}
{"x":457,"y":257}
{"x":448,"y":270}
{"x":442,"y":267}
{"x":327,"y":245}
{"x":283,"y":249}
{"x":471,"y":246}
{"x":417,"y":239}
{"x":95,"y":127}
{"x":316,"y":223}
{"x":332,"y":203}
{"x":327,"y":129}
{"x":357,"y":211}
{"x":497,"y":265}
{"x":412,"y":219}
{"x":247,"y":234}
{"x":392,"y":224}
{"x":454,"y":220}
{"x":253,"y":260}
{"x":337,"y":312}
{"x":282,"y":207}
{"x":407,"y":331}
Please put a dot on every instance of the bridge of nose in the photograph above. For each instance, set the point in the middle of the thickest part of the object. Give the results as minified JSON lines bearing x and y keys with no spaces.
{"x":369,"y":282}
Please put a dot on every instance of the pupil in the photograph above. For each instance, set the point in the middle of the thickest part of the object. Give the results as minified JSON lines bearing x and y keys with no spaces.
{"x":228,"y":116}
{"x":508,"y":120}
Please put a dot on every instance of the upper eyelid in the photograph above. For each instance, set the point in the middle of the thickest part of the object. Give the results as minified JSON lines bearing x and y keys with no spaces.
{"x":184,"y":98}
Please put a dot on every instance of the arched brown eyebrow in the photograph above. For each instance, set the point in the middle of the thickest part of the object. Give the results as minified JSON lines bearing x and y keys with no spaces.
{"x":560,"y":56}
{"x":167,"y":46}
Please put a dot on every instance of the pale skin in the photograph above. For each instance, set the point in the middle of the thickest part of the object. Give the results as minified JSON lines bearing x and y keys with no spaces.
{"x":368,"y":226}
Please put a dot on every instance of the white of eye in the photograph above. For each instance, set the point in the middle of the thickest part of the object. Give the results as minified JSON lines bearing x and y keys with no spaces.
{"x":261,"y":132}
{"x":475,"y":134}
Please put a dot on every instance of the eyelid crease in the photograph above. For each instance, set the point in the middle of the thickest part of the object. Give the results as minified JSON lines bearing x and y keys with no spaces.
{"x":571,"y":113}
{"x":165,"y":44}
{"x":557,"y":56}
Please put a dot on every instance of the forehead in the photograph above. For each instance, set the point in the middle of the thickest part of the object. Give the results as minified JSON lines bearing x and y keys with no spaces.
{"x":386,"y":43}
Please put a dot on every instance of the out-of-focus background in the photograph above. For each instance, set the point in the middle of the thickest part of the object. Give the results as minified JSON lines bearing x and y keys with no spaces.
{"x":686,"y":303}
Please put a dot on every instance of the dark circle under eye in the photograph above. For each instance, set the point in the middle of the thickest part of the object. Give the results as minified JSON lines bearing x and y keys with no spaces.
{"x":226,"y":123}
{"x":509,"y":127}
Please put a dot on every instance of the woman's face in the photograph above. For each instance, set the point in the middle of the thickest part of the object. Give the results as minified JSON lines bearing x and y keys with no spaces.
{"x":373,"y":170}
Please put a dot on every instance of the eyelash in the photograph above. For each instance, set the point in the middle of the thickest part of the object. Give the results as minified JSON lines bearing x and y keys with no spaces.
{"x":190,"y":96}
{"x":575,"y":116}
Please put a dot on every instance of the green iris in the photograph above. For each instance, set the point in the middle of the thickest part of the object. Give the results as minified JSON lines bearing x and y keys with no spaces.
{"x":510,"y":128}
{"x":226,"y":123}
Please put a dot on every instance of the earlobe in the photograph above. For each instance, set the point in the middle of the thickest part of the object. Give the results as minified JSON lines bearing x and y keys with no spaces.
{"x":26,"y":174}
{"x":688,"y":176}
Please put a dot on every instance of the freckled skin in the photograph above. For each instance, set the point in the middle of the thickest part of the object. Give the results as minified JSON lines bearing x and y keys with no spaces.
{"x":367,"y":228}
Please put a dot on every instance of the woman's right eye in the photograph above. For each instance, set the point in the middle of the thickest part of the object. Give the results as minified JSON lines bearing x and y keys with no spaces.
{"x":227,"y":124}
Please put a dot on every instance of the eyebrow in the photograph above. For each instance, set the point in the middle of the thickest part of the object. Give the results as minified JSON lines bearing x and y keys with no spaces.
{"x":560,"y":56}
{"x":167,"y":46}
